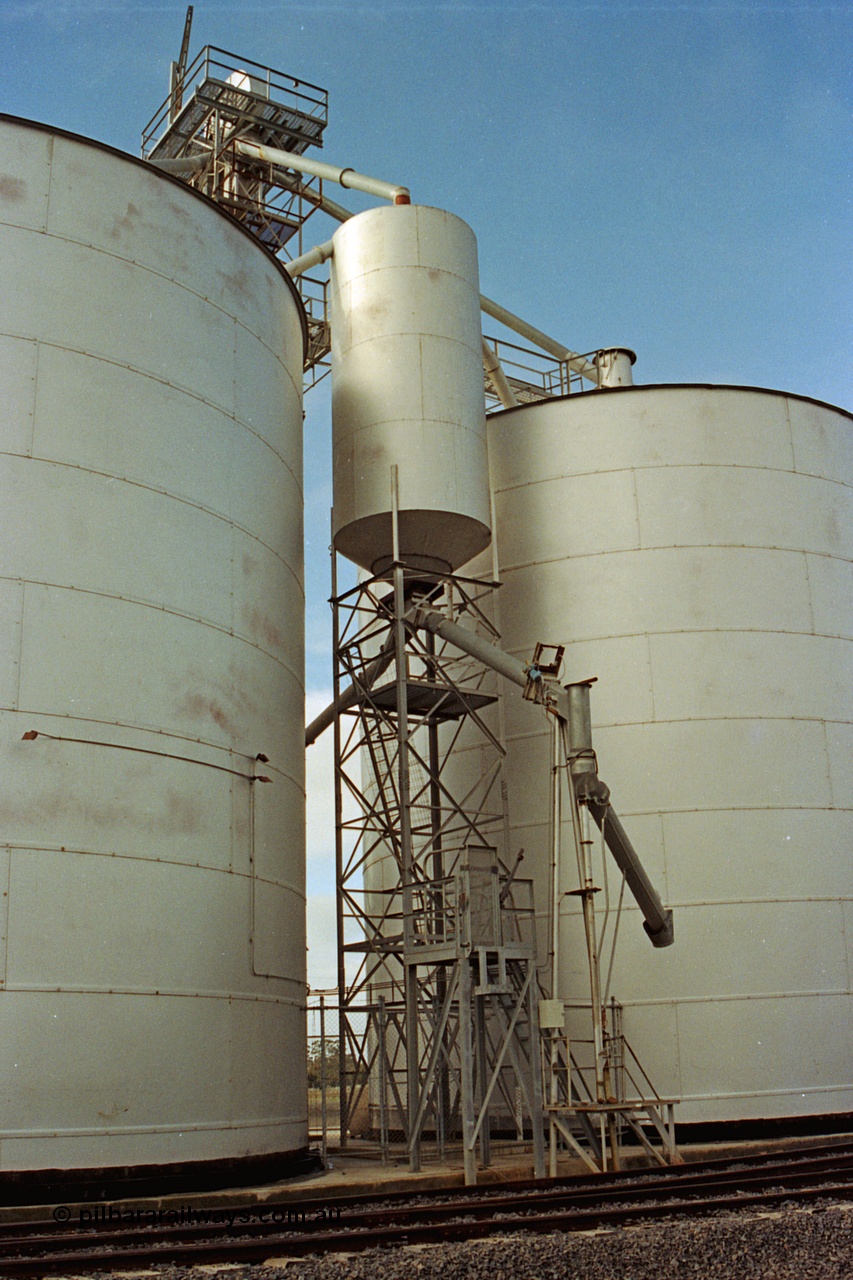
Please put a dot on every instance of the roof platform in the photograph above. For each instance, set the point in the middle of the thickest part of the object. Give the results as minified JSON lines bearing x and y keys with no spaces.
{"x":222,"y":89}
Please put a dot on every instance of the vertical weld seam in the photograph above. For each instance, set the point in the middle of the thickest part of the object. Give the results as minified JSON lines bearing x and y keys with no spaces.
{"x":828,"y":764}
{"x":232,"y":797}
{"x":32,"y":441}
{"x":847,"y":956}
{"x":7,"y":912}
{"x":51,"y":147}
{"x":636,"y":508}
{"x":678,"y":1050}
{"x":235,"y":352}
{"x":23,"y":598}
{"x":809,"y":592}
{"x":651,"y":675}
{"x":787,"y":404}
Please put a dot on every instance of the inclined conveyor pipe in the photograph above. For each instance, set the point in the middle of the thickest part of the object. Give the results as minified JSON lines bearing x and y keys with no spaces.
{"x":494,"y":369}
{"x":575,"y":361}
{"x":313,"y":258}
{"x":657,"y":919}
{"x":345,"y":177}
{"x":569,"y":708}
{"x":349,"y":696}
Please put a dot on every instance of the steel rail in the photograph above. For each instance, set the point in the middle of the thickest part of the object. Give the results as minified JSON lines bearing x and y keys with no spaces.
{"x":831,"y":1155}
{"x":249,"y":1249}
{"x":512,"y":1194}
{"x":41,"y":1250}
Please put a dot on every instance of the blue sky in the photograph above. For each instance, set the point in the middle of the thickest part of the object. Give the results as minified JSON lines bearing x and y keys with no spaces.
{"x":671,"y":177}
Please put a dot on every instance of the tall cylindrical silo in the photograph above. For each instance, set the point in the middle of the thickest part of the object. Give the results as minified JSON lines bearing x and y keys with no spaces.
{"x":692,"y":547}
{"x":407,"y":389}
{"x":151,"y":614}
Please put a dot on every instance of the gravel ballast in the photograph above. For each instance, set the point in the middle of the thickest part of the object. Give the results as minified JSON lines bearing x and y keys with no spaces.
{"x":791,"y":1244}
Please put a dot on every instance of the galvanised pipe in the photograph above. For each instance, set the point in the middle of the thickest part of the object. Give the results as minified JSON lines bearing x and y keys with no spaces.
{"x":320,"y":200}
{"x":439,"y":625}
{"x":556,"y":349}
{"x":313,"y":258}
{"x":657,"y":920}
{"x":489,"y":654}
{"x":349,"y":696}
{"x":184,"y":164}
{"x":346,"y":177}
{"x":595,"y":794}
{"x":591,"y":790}
{"x":494,"y":368}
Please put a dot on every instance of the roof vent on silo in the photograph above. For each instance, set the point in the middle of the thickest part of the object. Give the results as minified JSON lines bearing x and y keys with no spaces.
{"x":614,"y":366}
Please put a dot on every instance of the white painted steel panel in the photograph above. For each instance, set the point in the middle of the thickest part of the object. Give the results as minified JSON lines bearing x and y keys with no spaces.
{"x":733,"y":427}
{"x":224,"y":467}
{"x":146,"y":222}
{"x":839,"y":746}
{"x":80,"y":513}
{"x":768,"y":1057}
{"x":128,"y":1116}
{"x":699,"y":764}
{"x":115,"y":802}
{"x":151,"y":605}
{"x":729,"y":950}
{"x":831,"y":589}
{"x":744,"y":506}
{"x":273,"y":838}
{"x":278,"y":950}
{"x":587,"y":515}
{"x":407,"y":387}
{"x":43,"y":300}
{"x":18,"y":366}
{"x":819,"y":451}
{"x":144,"y":950}
{"x":5,"y":858}
{"x":25,"y":157}
{"x":215,"y":688}
{"x":759,"y":853}
{"x":695,"y":589}
{"x":754,"y":674}
{"x":11,"y":599}
{"x":692,"y":547}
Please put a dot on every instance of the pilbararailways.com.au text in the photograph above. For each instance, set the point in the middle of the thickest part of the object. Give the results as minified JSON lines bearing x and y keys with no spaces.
{"x":187,"y":1215}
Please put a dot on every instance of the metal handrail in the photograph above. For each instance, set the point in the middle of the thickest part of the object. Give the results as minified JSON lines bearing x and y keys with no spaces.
{"x":310,"y":99}
{"x":526,"y":367}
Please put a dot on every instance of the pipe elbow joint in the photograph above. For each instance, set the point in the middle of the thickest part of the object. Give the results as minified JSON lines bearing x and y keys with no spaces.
{"x":590,"y":788}
{"x":665,"y":935}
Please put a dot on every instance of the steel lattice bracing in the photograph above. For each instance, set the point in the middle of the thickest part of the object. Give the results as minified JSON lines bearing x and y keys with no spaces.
{"x":434,"y":929}
{"x":222,"y":98}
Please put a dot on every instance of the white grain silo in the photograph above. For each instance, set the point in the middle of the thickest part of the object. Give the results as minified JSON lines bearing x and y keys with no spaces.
{"x":152,"y":636}
{"x":692,"y":547}
{"x":407,"y":389}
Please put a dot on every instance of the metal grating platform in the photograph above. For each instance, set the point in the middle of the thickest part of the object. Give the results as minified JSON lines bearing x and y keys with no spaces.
{"x":423,"y":698}
{"x":275,"y":124}
{"x":222,"y":88}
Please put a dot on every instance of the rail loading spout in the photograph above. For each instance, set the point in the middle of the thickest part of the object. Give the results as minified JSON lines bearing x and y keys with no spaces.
{"x":590,"y":790}
{"x":570,"y":705}
{"x":657,"y":919}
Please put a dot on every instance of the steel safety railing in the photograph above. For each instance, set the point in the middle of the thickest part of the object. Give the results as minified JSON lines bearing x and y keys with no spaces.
{"x":214,"y":66}
{"x":533,"y":375}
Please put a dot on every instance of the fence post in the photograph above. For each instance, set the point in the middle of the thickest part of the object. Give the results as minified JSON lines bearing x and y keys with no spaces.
{"x":323,"y":1145}
{"x":383,"y":1096}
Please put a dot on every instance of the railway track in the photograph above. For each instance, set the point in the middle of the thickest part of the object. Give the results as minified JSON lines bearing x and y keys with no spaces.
{"x":93,"y":1239}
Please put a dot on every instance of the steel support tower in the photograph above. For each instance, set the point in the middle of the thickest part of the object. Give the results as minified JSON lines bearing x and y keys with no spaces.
{"x":435,"y":930}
